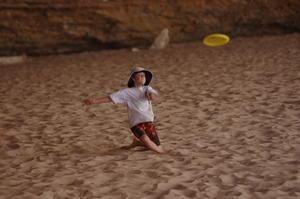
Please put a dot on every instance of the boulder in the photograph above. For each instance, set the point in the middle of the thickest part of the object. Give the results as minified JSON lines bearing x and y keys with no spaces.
{"x":162,"y":40}
{"x":38,"y":27}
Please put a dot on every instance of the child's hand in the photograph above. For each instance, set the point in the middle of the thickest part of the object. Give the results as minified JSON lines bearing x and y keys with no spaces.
{"x":148,"y":96}
{"x":152,"y":97}
{"x":88,"y":102}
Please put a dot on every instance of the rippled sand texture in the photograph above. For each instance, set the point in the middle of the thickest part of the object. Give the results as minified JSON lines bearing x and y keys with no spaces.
{"x":229,"y":119}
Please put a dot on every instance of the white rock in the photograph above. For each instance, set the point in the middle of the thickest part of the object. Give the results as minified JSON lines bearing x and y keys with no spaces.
{"x":162,"y":40}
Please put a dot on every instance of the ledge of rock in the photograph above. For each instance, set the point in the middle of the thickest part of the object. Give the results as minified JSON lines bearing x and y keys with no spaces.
{"x":38,"y":27}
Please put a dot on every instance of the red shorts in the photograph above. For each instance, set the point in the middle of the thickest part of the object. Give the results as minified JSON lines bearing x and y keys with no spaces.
{"x":148,"y":129}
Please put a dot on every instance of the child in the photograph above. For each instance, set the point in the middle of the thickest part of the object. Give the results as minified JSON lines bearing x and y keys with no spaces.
{"x":138,"y":97}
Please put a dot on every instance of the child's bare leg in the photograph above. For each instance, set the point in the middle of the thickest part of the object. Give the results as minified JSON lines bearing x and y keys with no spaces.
{"x":151,"y":145}
{"x":135,"y":143}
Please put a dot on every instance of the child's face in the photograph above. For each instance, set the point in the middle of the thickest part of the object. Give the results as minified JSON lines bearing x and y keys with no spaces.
{"x":139,"y":79}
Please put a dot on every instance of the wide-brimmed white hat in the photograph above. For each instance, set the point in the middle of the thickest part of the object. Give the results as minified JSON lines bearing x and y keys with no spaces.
{"x":136,"y":70}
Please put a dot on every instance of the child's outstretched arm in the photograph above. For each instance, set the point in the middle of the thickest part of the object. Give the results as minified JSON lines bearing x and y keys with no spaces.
{"x":97,"y":100}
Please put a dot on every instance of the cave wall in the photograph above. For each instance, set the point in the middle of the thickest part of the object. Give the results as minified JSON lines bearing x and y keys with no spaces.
{"x":40,"y":27}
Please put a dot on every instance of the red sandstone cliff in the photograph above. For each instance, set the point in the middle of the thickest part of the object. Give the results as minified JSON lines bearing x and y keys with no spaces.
{"x":60,"y":26}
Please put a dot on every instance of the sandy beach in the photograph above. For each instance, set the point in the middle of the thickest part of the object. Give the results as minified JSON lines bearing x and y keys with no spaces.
{"x":229,"y":120}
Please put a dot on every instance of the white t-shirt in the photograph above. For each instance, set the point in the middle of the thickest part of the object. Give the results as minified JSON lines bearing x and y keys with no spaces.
{"x":138,"y":106}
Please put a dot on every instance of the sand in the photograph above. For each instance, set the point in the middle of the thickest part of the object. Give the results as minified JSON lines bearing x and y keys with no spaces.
{"x":229,"y":120}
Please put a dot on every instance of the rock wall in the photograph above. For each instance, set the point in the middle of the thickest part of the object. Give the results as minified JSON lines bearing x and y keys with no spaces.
{"x":61,"y":26}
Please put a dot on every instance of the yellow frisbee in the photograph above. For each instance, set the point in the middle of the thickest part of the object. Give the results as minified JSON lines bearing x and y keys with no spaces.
{"x":216,"y":39}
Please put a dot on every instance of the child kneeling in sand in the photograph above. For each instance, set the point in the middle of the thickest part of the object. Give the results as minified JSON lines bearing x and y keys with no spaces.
{"x":138,"y":97}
